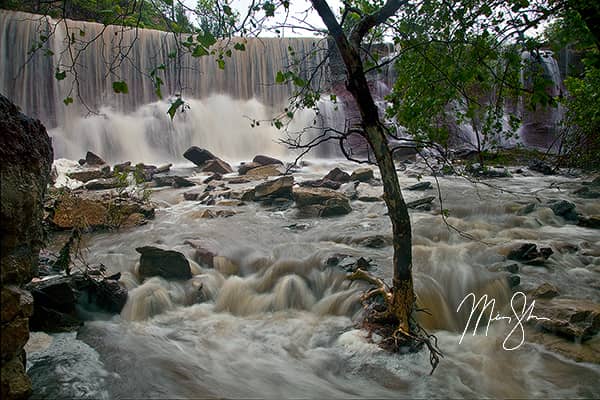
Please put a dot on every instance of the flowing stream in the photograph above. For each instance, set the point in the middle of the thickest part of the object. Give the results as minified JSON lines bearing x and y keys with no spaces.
{"x":275,"y":321}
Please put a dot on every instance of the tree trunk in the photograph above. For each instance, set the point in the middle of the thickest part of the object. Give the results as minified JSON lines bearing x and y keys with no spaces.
{"x":403,"y":298}
{"x":402,"y":302}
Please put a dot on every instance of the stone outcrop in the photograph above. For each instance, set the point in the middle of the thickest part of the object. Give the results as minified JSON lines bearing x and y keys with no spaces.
{"x":26,"y":154}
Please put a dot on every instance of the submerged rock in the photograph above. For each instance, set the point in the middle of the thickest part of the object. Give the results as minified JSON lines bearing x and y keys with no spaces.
{"x":541,"y":166}
{"x":545,"y":291}
{"x":565,"y":209}
{"x":87,"y":175}
{"x":589,"y":222}
{"x":168,"y":264}
{"x":324,"y":183}
{"x":576,"y":319}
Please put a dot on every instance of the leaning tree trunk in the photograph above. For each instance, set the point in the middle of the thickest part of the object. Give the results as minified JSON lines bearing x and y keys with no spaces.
{"x":402,"y":297}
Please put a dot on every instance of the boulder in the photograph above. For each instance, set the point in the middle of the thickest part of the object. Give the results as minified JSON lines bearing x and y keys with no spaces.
{"x":527,"y":209}
{"x":280,"y":187}
{"x":363,"y":174}
{"x":211,"y":213}
{"x":168,"y":264}
{"x":320,"y":202}
{"x":72,"y":211}
{"x":92,"y":159}
{"x":54,"y":305}
{"x":198,"y":156}
{"x":374,"y":242}
{"x":420,"y":186}
{"x":266,"y":160}
{"x":172,"y":180}
{"x":337,"y":175}
{"x":266,"y":170}
{"x":203,"y":254}
{"x":26,"y":154}
{"x":368,"y":193}
{"x":565,"y":209}
{"x":217,"y":166}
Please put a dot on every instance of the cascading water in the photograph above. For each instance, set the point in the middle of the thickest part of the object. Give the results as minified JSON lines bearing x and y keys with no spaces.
{"x":135,"y":126}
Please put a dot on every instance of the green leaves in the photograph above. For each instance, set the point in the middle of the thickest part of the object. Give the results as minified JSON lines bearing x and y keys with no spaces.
{"x":68,"y":100}
{"x":280,"y":77}
{"x":176,"y":104}
{"x":120,"y":87}
{"x":199,"y":51}
{"x":60,"y":75}
{"x":239,"y":46}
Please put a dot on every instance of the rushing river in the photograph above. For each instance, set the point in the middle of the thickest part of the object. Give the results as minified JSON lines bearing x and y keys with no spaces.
{"x":278,"y":323}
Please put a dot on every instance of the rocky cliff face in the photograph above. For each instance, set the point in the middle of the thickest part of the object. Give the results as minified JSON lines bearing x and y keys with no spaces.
{"x":26,"y":154}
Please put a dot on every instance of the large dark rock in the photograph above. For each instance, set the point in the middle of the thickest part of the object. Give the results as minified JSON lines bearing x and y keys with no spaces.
{"x":198,"y":156}
{"x":337,"y":175}
{"x":168,"y":264}
{"x":25,"y":163}
{"x":320,"y":202}
{"x":363,"y":174}
{"x":324,"y":183}
{"x":528,"y":253}
{"x":92,"y":159}
{"x":266,"y":160}
{"x":245,"y":167}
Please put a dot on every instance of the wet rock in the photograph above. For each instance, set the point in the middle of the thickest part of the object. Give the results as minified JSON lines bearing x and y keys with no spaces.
{"x":92,"y":159}
{"x":192,"y":196}
{"x":213,"y":177}
{"x":266,"y":170}
{"x":280,"y":187}
{"x":229,"y":203}
{"x":237,"y":180}
{"x":73,"y":211}
{"x":337,"y":175}
{"x":324,"y":183}
{"x":423,"y":203}
{"x":143,"y":172}
{"x":589,"y":222}
{"x":26,"y":154}
{"x":217,"y":166}
{"x":349,"y":263}
{"x":544,"y":291}
{"x":541,"y":166}
{"x":87,"y":175}
{"x":101,"y":184}
{"x":245,"y":167}
{"x":266,"y":160}
{"x":349,"y":190}
{"x":576,"y":319}
{"x":168,"y":264}
{"x":565,"y":209}
{"x":363,"y":174}
{"x":528,"y":253}
{"x":198,"y":156}
{"x":320,"y":202}
{"x":420,"y":186}
{"x":54,"y":305}
{"x":495,"y":172}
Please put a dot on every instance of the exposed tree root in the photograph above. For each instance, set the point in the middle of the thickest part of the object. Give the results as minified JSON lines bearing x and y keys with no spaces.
{"x":386,"y":318}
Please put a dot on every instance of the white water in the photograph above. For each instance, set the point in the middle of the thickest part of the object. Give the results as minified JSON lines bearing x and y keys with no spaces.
{"x":277,"y":323}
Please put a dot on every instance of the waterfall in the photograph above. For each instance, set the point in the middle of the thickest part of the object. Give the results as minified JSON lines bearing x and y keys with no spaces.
{"x":135,"y":125}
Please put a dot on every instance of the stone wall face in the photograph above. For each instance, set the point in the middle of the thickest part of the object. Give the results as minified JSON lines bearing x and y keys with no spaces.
{"x":26,"y":158}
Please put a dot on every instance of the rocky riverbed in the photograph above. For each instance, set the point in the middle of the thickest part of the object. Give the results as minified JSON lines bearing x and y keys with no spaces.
{"x":229,"y":280}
